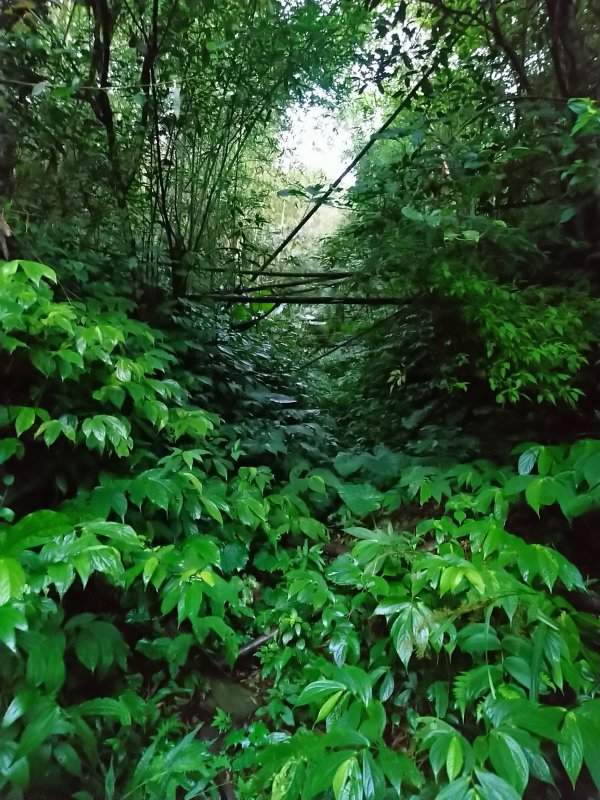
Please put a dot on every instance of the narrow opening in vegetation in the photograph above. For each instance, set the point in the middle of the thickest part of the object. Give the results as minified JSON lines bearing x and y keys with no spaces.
{"x":299,"y":390}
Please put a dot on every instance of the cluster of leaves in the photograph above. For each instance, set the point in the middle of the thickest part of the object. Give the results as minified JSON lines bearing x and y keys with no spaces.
{"x":476,"y":209}
{"x":253,"y":383}
{"x":457,"y":667}
{"x":122,"y":570}
{"x":138,"y":556}
{"x":162,"y":111}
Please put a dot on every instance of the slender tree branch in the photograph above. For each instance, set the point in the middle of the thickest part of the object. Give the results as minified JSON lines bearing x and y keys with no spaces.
{"x":306,"y":300}
{"x":346,"y":342}
{"x":359,"y":156}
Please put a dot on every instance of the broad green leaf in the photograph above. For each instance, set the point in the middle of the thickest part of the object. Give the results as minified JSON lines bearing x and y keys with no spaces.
{"x":541,"y":492}
{"x":47,"y":721}
{"x":35,"y":271}
{"x":509,"y":760}
{"x":317,"y":484}
{"x":33,"y":530}
{"x":19,"y":705}
{"x":11,"y":620}
{"x":527,"y":460}
{"x":570,"y":749}
{"x":67,"y":757}
{"x":116,"y":531}
{"x":104,"y":707}
{"x":373,"y":781}
{"x":320,"y":777}
{"x":9,"y":448}
{"x":312,"y":528}
{"x":343,"y":775}
{"x":358,"y":681}
{"x":12,"y":580}
{"x":456,"y":790}
{"x":454,"y":758}
{"x":318,"y":690}
{"x":283,"y":780}
{"x":438,"y":753}
{"x":412,"y":214}
{"x":387,"y":687}
{"x":398,"y":768}
{"x":492,"y":787}
{"x":591,"y":470}
{"x":18,"y":772}
{"x":361,"y":499}
{"x":347,"y":464}
{"x":589,"y":726}
{"x":374,"y":726}
{"x":88,"y":649}
{"x":25,"y":419}
{"x":329,"y":705}
{"x":212,"y":509}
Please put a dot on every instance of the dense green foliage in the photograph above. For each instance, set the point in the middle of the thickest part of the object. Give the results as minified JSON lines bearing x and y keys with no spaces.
{"x":478,"y":211}
{"x":119,"y":606}
{"x":325,"y":530}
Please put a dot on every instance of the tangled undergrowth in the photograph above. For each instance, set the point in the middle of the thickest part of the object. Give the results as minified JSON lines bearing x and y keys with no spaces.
{"x":179,"y":622}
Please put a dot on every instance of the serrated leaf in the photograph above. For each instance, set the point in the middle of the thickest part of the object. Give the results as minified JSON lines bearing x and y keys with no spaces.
{"x":527,"y":460}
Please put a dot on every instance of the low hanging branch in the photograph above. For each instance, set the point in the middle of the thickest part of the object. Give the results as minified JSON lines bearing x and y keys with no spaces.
{"x":313,"y":274}
{"x":310,"y":283}
{"x":304,"y":300}
{"x":359,"y":156}
{"x":349,"y":341}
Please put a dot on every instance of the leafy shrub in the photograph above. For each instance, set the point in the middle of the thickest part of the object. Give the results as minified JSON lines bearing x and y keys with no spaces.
{"x":458,"y":668}
{"x":106,"y":597}
{"x":138,"y":558}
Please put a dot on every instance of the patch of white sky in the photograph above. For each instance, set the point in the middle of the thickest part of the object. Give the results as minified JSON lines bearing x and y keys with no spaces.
{"x":316,"y":140}
{"x":319,"y":138}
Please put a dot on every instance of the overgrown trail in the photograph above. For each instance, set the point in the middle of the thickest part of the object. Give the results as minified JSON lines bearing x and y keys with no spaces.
{"x":300,"y":473}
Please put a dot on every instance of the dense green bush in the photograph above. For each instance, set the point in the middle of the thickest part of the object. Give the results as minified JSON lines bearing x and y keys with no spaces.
{"x":117,"y":565}
{"x":481,"y":224}
{"x":438,"y":651}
